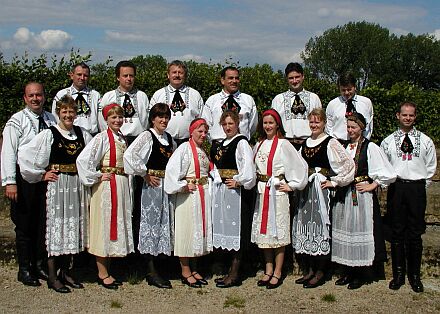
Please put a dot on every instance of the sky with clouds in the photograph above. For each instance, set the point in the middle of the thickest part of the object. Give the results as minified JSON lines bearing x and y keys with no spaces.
{"x":248,"y":31}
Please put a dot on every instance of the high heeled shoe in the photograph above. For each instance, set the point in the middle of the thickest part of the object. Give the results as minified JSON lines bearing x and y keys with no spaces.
{"x":61,"y":289}
{"x":196,"y":284}
{"x":111,"y":286}
{"x":263,"y":283}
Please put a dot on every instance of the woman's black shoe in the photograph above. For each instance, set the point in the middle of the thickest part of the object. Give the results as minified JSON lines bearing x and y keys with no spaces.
{"x":355,"y":284}
{"x":70,"y":281}
{"x":274,"y":285}
{"x":60,"y":289}
{"x":202,"y":280}
{"x":263,"y":283}
{"x":309,"y":284}
{"x":196,"y":284}
{"x":111,"y":286}
{"x":303,"y":279}
{"x":159,"y":282}
{"x":343,"y":281}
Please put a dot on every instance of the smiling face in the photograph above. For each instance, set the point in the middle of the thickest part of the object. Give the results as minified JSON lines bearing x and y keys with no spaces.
{"x":295,"y":80}
{"x":347,"y":91}
{"x":67,"y":115}
{"x":354,"y":130}
{"x":199,"y":134}
{"x":231,"y":81}
{"x":160,"y":123}
{"x":407,"y":117}
{"x":79,"y":77}
{"x":115,"y":121}
{"x":34,"y":97}
{"x":270,"y":126}
{"x":126,"y":79}
{"x":316,"y":126}
{"x":230,"y":127}
{"x":176,"y":76}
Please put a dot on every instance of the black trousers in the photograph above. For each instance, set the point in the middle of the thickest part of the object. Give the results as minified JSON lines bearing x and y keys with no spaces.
{"x":407,"y":205}
{"x":29,"y":216}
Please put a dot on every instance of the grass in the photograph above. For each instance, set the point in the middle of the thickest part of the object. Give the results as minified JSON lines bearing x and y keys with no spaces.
{"x":234,"y":301}
{"x":328,"y":297}
{"x":116,"y":305}
{"x":134,"y":278}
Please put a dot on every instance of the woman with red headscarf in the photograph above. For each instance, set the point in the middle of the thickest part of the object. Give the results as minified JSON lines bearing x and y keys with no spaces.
{"x":280,"y":169}
{"x":186,"y":175}
{"x":101,"y":166}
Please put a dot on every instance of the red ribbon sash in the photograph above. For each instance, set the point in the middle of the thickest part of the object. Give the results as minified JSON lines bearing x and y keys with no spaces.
{"x":265,"y":212}
{"x":199,"y":186}
{"x":113,"y":190}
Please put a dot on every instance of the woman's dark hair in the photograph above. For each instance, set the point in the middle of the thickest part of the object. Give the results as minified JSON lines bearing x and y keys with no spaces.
{"x":260,"y":130}
{"x":158,"y":110}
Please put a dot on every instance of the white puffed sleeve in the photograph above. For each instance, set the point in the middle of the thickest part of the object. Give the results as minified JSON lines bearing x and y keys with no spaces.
{"x":177,"y":168}
{"x":295,"y":167}
{"x":245,"y":163}
{"x":341,"y":163}
{"x":34,"y":156}
{"x":379,"y":168}
{"x":137,"y":154}
{"x":90,"y":158}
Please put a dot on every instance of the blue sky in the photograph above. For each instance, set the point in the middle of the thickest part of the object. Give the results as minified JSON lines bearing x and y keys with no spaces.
{"x":248,"y":31}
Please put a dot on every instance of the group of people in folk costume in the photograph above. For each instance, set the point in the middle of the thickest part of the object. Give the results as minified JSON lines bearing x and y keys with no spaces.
{"x":145,"y":184}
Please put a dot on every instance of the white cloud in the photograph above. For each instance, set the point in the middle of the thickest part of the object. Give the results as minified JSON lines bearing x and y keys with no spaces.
{"x":47,"y":40}
{"x":436,"y":34}
{"x":22,"y":36}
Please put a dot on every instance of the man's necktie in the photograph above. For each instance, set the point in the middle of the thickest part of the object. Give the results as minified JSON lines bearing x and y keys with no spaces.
{"x":350,"y":109}
{"x":41,"y":124}
{"x":177,"y":104}
{"x":83,"y":106}
{"x":407,"y":147}
{"x":128,"y":108}
{"x":298,"y":106}
{"x":231,"y":104}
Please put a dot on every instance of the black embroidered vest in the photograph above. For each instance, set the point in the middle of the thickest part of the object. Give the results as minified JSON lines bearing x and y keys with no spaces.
{"x":224,"y":156}
{"x":317,"y":156}
{"x":160,"y":154}
{"x":63,"y":150}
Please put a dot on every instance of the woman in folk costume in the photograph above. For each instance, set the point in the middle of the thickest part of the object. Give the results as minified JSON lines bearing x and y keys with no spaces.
{"x":147,"y":157}
{"x":280,"y":169}
{"x":357,"y":237}
{"x":234,"y":171}
{"x":51,"y":157}
{"x":186,"y":175}
{"x":329,"y":166}
{"x":101,"y":166}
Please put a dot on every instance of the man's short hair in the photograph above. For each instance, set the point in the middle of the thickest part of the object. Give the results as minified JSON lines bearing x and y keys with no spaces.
{"x":178,"y":63}
{"x":293,"y":66}
{"x":81,"y":64}
{"x":407,"y":103}
{"x":124,"y":64}
{"x":232,"y":68}
{"x":347,"y":79}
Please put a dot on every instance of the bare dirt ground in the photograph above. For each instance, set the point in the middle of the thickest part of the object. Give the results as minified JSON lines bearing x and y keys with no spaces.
{"x":140,"y":298}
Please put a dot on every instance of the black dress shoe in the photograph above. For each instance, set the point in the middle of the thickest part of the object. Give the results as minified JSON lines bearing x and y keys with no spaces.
{"x":196,"y":284}
{"x":41,"y":274}
{"x":157,"y":281}
{"x":228,"y":284}
{"x":310,"y":285}
{"x":111,"y":286}
{"x":416,"y":283}
{"x":355,"y":284}
{"x":202,"y":280}
{"x":263,"y":283}
{"x":27,"y":279}
{"x":274,"y":285}
{"x":58,"y":286}
{"x":345,"y":280}
{"x":397,"y":282}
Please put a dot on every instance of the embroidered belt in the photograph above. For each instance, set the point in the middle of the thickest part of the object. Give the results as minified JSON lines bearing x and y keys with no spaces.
{"x":361,"y":179}
{"x":265,"y":178}
{"x":411,"y":181}
{"x":227,"y":173}
{"x":71,"y":168}
{"x":200,"y":181}
{"x":115,"y":170}
{"x":156,"y":173}
{"x":324,"y":171}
